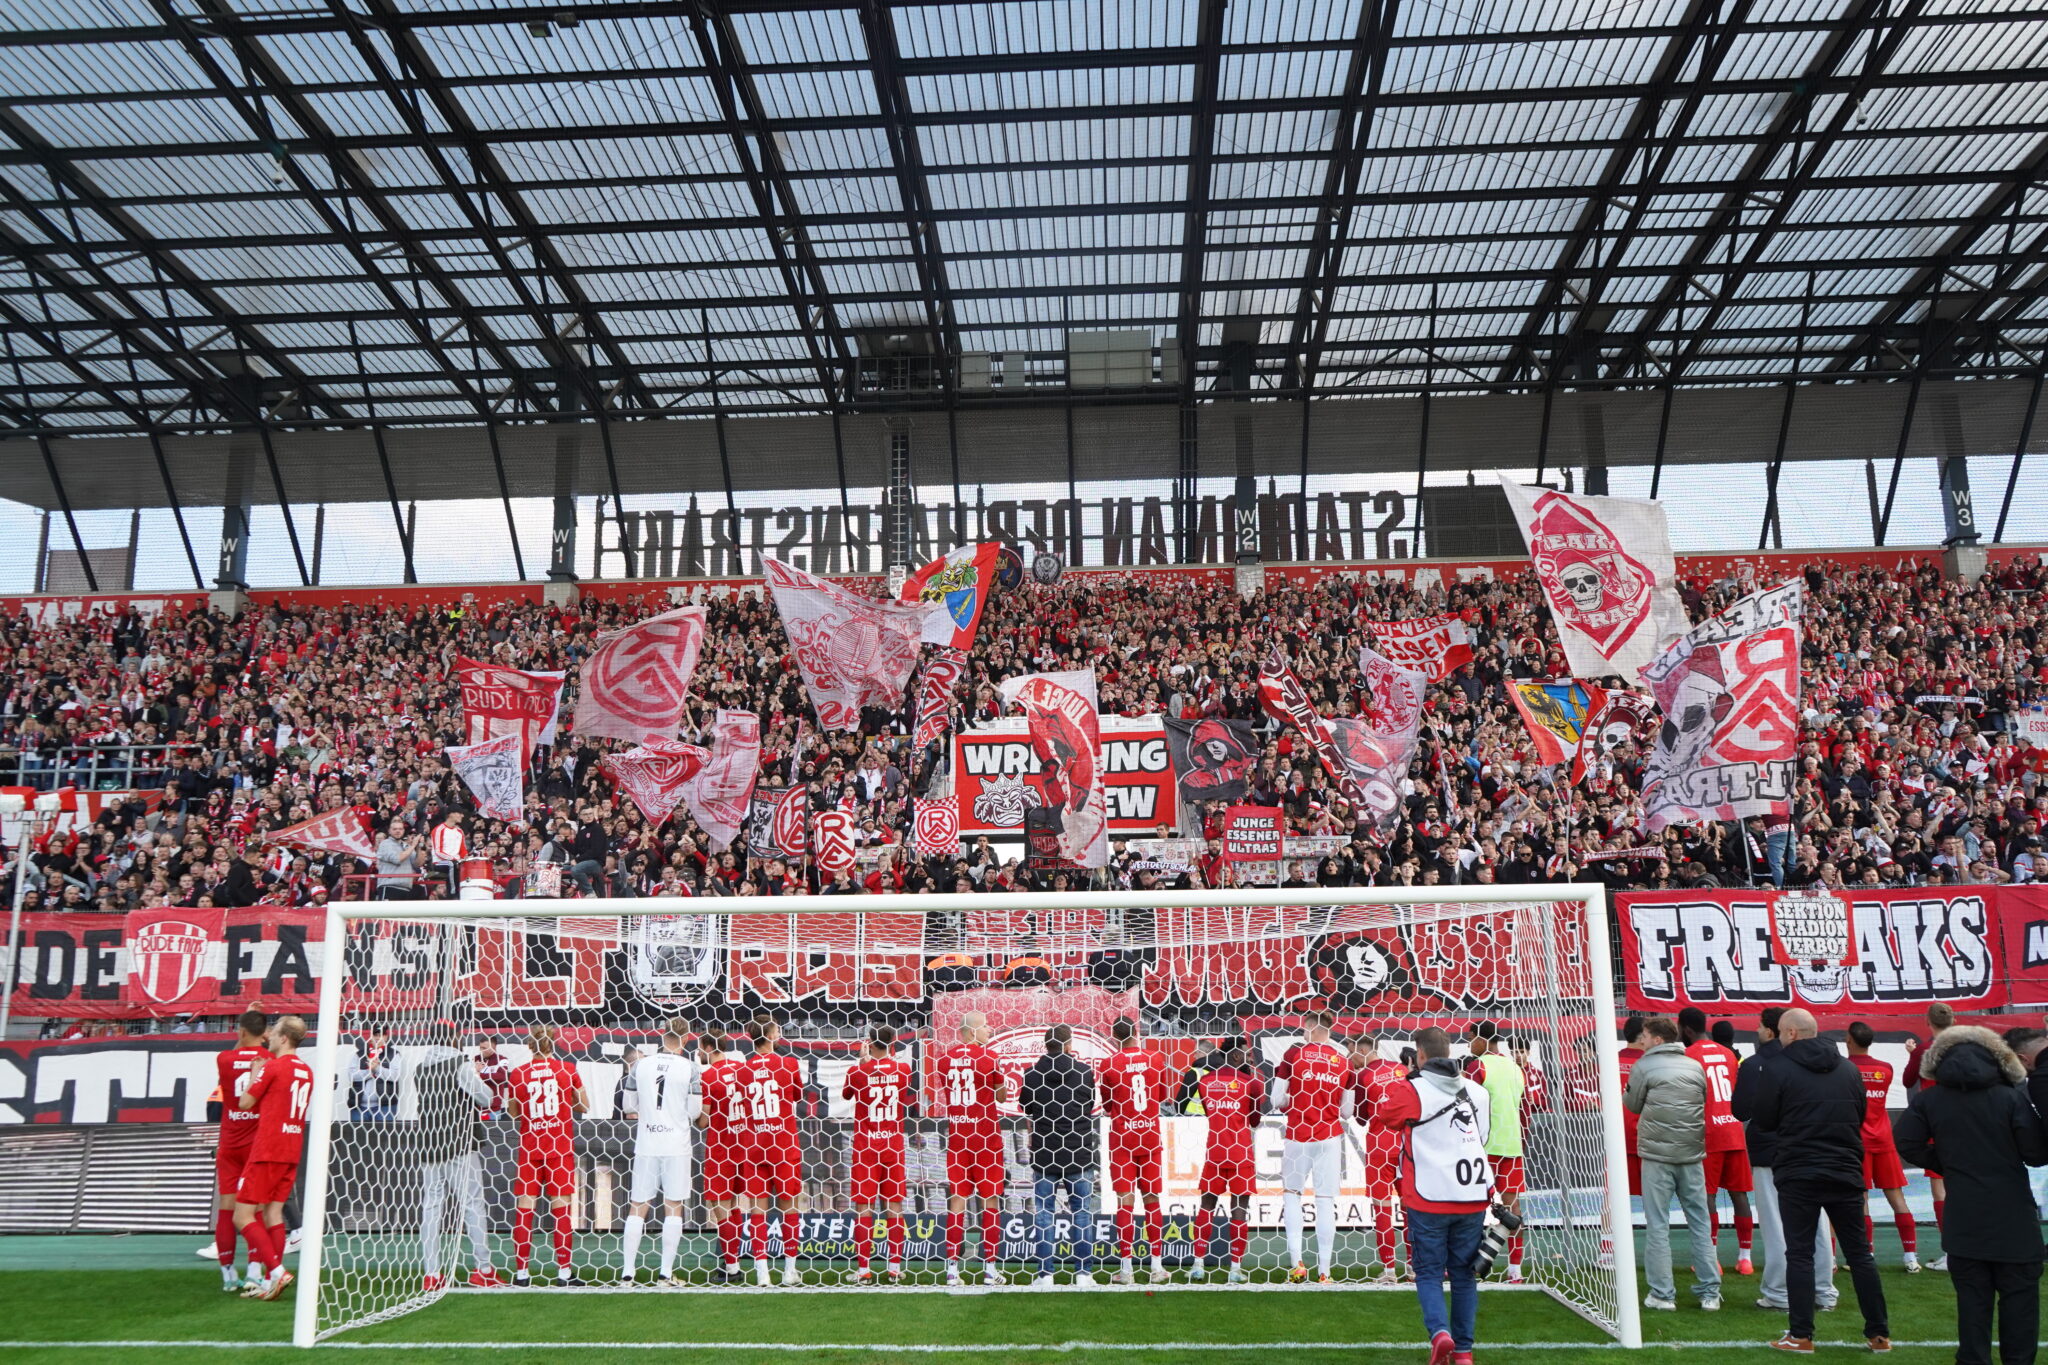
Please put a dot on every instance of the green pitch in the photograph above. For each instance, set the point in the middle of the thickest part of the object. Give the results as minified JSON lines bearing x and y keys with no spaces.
{"x":70,"y":1300}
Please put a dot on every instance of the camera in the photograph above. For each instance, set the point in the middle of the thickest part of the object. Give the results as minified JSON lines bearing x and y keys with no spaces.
{"x":1506,"y":1222}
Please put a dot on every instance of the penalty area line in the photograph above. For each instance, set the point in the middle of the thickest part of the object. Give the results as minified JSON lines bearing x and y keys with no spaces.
{"x":906,"y":1348}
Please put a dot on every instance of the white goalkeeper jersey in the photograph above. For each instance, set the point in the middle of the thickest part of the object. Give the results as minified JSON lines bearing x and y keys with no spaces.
{"x":663,"y":1090}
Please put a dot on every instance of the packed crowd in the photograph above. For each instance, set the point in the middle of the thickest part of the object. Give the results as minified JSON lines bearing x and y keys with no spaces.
{"x":1913,"y":773}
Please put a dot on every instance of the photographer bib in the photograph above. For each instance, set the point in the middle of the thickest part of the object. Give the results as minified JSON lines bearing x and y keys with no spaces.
{"x":1447,"y":1145}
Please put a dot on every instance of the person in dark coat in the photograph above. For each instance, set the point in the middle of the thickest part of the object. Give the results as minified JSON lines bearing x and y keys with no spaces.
{"x":1763,"y":1150}
{"x":1058,"y":1100}
{"x":1977,"y":1127}
{"x":1809,"y":1099}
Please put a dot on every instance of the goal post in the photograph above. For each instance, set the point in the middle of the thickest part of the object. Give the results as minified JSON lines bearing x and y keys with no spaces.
{"x":406,"y":1190}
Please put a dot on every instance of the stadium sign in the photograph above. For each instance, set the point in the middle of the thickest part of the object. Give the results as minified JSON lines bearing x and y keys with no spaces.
{"x":995,"y":776}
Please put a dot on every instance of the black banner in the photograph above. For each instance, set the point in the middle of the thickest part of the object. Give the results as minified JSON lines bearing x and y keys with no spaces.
{"x":1212,"y":761}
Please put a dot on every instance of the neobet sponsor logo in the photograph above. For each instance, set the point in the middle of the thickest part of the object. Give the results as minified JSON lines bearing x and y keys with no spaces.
{"x":1906,"y":949}
{"x":2036,"y":942}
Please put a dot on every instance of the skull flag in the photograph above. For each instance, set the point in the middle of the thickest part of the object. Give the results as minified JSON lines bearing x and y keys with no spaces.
{"x":1607,"y":571}
{"x":853,"y":651}
{"x":494,"y":772}
{"x":1729,"y":691}
{"x":1060,"y":709}
{"x":636,"y":684}
{"x":1612,"y":723}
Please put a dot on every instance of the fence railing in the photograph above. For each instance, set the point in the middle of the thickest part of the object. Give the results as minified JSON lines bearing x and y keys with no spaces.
{"x":92,"y":767}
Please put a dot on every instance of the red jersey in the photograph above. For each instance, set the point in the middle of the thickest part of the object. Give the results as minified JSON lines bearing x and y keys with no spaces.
{"x":1877,"y":1091}
{"x":237,"y":1126}
{"x":1914,"y":1080}
{"x":1535,"y":1091}
{"x":283,"y":1093}
{"x":880,"y":1091}
{"x":724,"y":1101}
{"x":1627,"y":1058}
{"x":1724,"y":1130}
{"x":970,"y":1085}
{"x":1132,"y":1081}
{"x":1317,"y":1076}
{"x":774,"y":1082}
{"x":1233,"y":1101}
{"x":546,"y":1091}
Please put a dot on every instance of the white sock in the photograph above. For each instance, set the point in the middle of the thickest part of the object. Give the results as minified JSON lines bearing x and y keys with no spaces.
{"x":1290,"y":1213}
{"x":1326,"y":1233}
{"x":671,"y":1238}
{"x":1125,"y":1262}
{"x":1158,"y":1264}
{"x":789,"y":1265}
{"x":635,"y":1225}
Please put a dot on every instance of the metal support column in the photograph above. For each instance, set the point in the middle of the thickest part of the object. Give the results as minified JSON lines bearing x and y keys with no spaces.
{"x":611,"y":468}
{"x":2019,"y":455}
{"x":163,"y":469}
{"x":391,"y":492}
{"x":92,"y":580}
{"x":284,"y":505}
{"x":505,"y":497}
{"x":1663,"y":432}
{"x":1884,"y":520}
{"x":1763,"y":535}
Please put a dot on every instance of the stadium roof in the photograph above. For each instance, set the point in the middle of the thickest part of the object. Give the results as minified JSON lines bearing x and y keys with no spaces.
{"x":217,"y":214}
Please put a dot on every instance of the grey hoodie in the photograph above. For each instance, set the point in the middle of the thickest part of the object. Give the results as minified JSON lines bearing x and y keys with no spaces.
{"x":1669,"y":1090}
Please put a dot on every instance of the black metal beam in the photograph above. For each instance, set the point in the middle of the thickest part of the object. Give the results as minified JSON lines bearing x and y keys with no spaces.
{"x":913,"y":185}
{"x":1195,"y":213}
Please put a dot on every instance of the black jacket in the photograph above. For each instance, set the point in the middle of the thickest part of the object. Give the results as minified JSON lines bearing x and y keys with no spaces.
{"x":1058,"y":1099}
{"x":2037,"y":1087}
{"x":1763,"y":1146}
{"x":1810,"y":1099}
{"x":1976,"y":1128}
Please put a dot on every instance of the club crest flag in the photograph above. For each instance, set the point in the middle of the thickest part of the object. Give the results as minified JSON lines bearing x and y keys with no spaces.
{"x":338,"y":831}
{"x":853,"y":651}
{"x":832,"y":837}
{"x":1376,"y":749}
{"x":1729,"y":691}
{"x":636,"y":683}
{"x":719,"y":795}
{"x":175,"y":958}
{"x":497,"y":700}
{"x":935,"y":693}
{"x":1282,"y":697}
{"x":1615,"y":720}
{"x":1060,"y":711}
{"x":653,"y":775}
{"x":1607,"y":572}
{"x":958,"y":582}
{"x":936,"y":827}
{"x":775,"y":823}
{"x":1558,"y":716}
{"x":495,"y":773}
{"x":1212,"y":761}
{"x":1434,"y":646}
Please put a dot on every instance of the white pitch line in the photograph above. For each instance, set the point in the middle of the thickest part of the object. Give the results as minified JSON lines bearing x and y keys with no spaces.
{"x":890,"y":1291}
{"x":906,"y":1348}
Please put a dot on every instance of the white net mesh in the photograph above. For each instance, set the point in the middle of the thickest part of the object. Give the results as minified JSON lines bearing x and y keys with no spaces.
{"x":840,"y":1098}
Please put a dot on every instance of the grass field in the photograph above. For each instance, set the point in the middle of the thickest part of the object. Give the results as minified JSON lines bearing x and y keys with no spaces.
{"x":68,"y":1300}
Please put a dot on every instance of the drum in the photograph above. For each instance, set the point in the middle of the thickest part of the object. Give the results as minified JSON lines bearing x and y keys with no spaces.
{"x":479,"y":881}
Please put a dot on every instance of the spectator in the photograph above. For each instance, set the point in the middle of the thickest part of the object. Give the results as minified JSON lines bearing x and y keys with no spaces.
{"x":1058,"y":1100}
{"x":1811,"y":1100}
{"x":1977,"y":1127}
{"x":1763,"y":1148}
{"x":1667,"y":1091}
{"x":373,"y":1079}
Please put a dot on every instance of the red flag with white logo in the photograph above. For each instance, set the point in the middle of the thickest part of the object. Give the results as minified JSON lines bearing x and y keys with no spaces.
{"x":497,"y":700}
{"x":935,"y":694}
{"x":338,"y":831}
{"x":653,"y":776}
{"x":1434,"y":646}
{"x":175,"y":958}
{"x":719,"y":794}
{"x":937,"y":827}
{"x":832,"y":837}
{"x":636,"y":684}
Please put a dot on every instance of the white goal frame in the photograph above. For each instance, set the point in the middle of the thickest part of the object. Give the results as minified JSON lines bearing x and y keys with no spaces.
{"x":1590,"y":898}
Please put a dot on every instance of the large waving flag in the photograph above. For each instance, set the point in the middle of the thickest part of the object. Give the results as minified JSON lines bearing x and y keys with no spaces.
{"x":338,"y":831}
{"x":497,"y":700}
{"x":1607,"y":571}
{"x":853,"y":651}
{"x":636,"y":683}
{"x":495,"y":773}
{"x":1066,"y":735}
{"x":959,"y":581}
{"x":1558,"y":715}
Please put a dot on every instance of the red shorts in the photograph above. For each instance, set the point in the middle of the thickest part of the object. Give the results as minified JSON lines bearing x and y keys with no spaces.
{"x":266,"y":1182}
{"x":721,"y":1171}
{"x":774,"y":1169}
{"x":227,"y":1168}
{"x":1882,"y":1169}
{"x":1508,"y":1176}
{"x":878,"y":1175}
{"x":1230,"y":1170}
{"x":1728,"y":1170}
{"x":1635,"y":1173}
{"x":549,"y":1171}
{"x":1134,"y":1160}
{"x":974,"y":1163}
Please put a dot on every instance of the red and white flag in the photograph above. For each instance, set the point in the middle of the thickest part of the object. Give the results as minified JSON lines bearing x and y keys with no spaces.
{"x":636,"y":684}
{"x":1377,"y":749}
{"x":338,"y":831}
{"x":853,"y":651}
{"x":1434,"y":646}
{"x":1282,"y":697}
{"x":777,"y":825}
{"x":935,"y":694}
{"x":175,"y":958}
{"x":653,"y":776}
{"x":1060,"y":709}
{"x":936,"y":825}
{"x":959,"y":583}
{"x":719,"y":795}
{"x":1729,"y":690}
{"x":1606,"y":568}
{"x":494,"y":772}
{"x":497,"y":700}
{"x":832,"y":838}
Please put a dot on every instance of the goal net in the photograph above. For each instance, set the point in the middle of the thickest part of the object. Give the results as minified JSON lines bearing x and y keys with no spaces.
{"x":909,"y":1092}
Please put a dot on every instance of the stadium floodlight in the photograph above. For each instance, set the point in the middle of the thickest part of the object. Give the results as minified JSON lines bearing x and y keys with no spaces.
{"x":936,"y":996}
